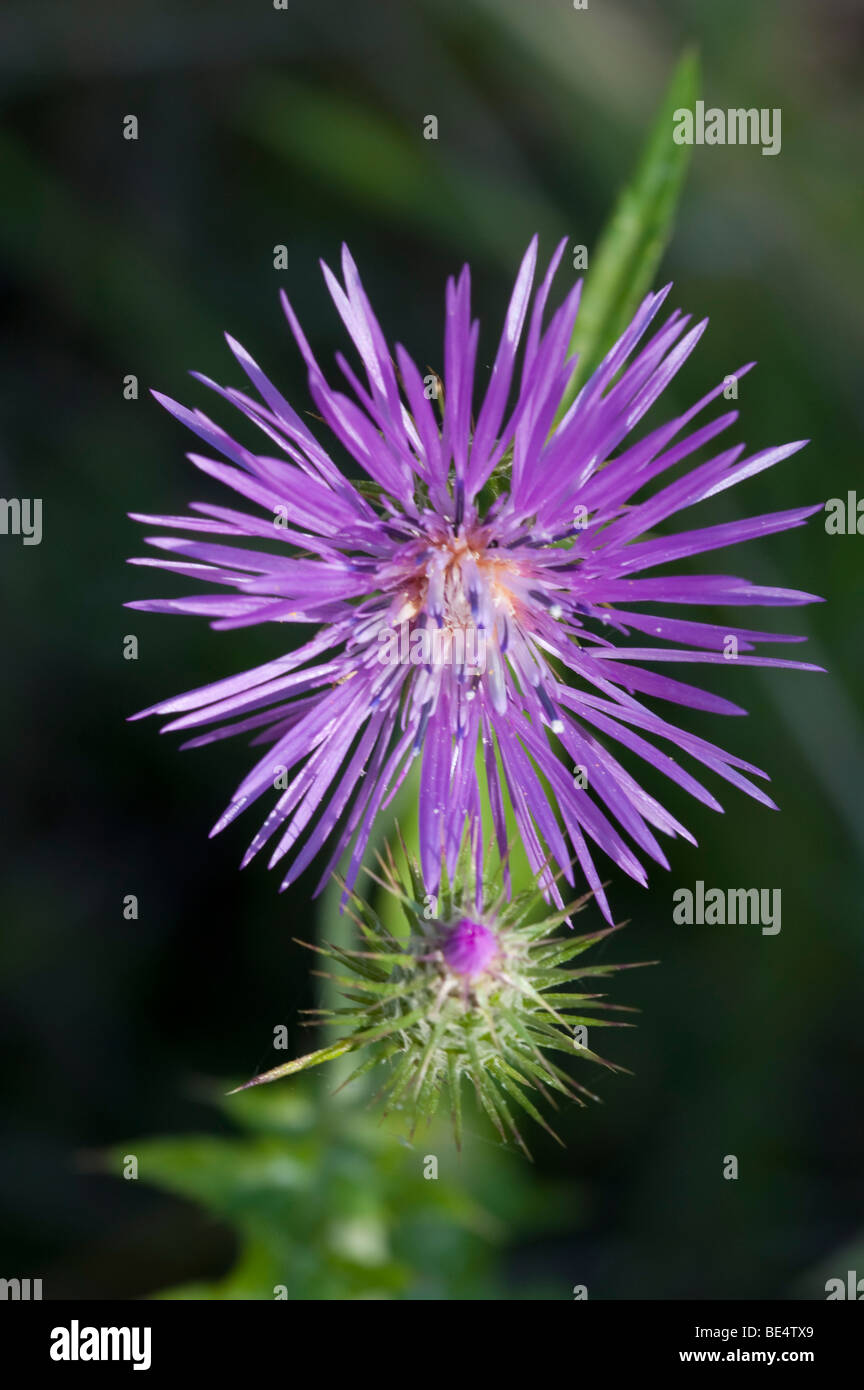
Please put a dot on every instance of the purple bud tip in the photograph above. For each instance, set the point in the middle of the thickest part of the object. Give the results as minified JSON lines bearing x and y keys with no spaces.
{"x":470,"y":947}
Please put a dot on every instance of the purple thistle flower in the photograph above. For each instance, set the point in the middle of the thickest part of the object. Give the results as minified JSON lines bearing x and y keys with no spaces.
{"x":511,"y":526}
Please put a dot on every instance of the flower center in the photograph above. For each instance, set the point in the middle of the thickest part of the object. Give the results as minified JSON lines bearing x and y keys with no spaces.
{"x":465,"y":584}
{"x":470,"y":947}
{"x":483,"y":609}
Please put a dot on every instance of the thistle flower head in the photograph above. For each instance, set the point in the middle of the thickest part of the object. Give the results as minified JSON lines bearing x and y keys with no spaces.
{"x":477,"y":993}
{"x":479,"y":599}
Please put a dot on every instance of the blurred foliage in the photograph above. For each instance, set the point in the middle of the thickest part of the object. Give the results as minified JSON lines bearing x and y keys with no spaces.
{"x":328,"y":1204}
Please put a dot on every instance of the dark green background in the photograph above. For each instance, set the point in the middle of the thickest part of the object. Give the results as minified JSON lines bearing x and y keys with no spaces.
{"x":303,"y":127}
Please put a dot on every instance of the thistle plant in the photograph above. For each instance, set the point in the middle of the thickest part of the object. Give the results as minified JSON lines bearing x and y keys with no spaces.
{"x":477,"y":994}
{"x":487,"y":592}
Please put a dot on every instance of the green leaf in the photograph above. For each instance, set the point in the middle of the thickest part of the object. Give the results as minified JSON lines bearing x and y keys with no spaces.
{"x":635,"y":237}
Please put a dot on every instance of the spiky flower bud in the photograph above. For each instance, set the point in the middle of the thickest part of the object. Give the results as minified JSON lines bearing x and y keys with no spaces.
{"x":479,"y":991}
